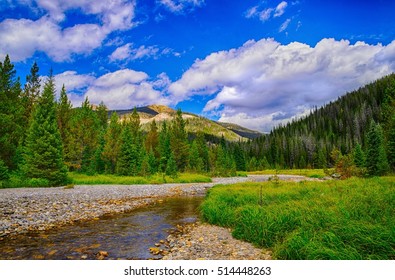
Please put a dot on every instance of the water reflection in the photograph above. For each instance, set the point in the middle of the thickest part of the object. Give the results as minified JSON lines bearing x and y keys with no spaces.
{"x":122,"y":236}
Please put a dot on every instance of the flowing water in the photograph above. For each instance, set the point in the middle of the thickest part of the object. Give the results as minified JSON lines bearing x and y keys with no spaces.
{"x":122,"y":236}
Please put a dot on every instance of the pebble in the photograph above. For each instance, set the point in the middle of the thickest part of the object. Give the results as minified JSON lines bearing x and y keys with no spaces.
{"x":217,"y":244}
{"x":38,"y":209}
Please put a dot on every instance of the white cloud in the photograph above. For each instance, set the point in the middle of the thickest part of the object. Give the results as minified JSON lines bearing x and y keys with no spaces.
{"x":128,"y":53}
{"x":74,"y":82}
{"x":21,"y":38}
{"x":181,"y":6}
{"x":266,"y":13}
{"x":284,"y":26}
{"x":121,"y":53}
{"x":280,"y":9}
{"x":122,"y":89}
{"x":272,"y":83}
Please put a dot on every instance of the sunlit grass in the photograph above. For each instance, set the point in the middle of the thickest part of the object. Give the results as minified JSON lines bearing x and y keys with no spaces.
{"x":350,"y":219}
{"x":101,"y":179}
{"x":313,"y":173}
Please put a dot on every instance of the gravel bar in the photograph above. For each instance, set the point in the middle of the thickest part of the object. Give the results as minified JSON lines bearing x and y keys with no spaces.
{"x":32,"y":209}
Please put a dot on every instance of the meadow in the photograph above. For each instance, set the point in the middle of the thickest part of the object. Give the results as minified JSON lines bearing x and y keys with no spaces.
{"x":312,"y":173}
{"x":338,"y":220}
{"x":101,"y":179}
{"x":75,"y":178}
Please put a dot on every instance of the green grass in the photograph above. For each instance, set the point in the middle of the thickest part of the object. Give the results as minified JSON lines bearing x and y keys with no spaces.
{"x":350,"y":219}
{"x":312,"y":173}
{"x":83,"y":179}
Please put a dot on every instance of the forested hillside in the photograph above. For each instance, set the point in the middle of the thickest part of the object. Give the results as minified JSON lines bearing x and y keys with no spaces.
{"x":340,"y":126}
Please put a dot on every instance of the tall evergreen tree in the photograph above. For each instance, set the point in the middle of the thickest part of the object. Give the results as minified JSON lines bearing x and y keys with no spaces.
{"x":127,"y":152}
{"x":112,"y":143}
{"x":85,"y":131}
{"x":391,"y":143}
{"x":102,"y":115}
{"x":44,"y":151}
{"x":31,"y":91}
{"x":152,"y":140}
{"x":164,"y":147}
{"x":359,"y":156}
{"x":376,"y":158}
{"x":12,"y":123}
{"x":64,"y":114}
{"x":179,"y":141}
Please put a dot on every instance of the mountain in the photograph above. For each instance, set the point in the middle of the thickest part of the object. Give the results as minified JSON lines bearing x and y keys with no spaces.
{"x":194,"y":123}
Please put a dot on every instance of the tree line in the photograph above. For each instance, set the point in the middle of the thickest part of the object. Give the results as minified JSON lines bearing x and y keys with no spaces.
{"x":359,"y":125}
{"x":42,"y":138}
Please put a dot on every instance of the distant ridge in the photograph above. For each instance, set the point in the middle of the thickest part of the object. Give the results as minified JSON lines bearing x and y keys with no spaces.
{"x":194,"y":123}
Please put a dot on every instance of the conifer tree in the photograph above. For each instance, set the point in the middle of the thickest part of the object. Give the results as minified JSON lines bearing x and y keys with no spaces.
{"x":64,"y":114}
{"x":179,"y":141}
{"x":31,"y":91}
{"x":152,"y":162}
{"x":152,"y":140}
{"x":391,"y":144}
{"x":171,"y":168}
{"x":195,"y":161}
{"x":359,"y":156}
{"x":112,"y":144}
{"x":4,"y":173}
{"x":12,"y":123}
{"x":85,"y":131}
{"x":239,"y":158}
{"x":126,"y":153}
{"x":376,"y":158}
{"x":44,"y":150}
{"x":102,"y":114}
{"x":164,"y":147}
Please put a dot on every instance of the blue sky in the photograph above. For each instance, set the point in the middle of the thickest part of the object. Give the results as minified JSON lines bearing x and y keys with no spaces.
{"x":256,"y":63}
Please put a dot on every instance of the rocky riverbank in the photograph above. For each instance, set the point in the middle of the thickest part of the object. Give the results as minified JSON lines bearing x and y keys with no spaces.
{"x":32,"y":209}
{"x":207,"y":242}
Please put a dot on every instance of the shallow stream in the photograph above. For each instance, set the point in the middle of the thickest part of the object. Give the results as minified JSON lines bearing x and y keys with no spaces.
{"x":121,"y":236}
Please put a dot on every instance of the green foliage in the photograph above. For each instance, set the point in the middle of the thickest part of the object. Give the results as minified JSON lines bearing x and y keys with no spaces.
{"x":171,"y":168}
{"x":44,"y":150}
{"x":391,"y":143}
{"x":4,"y":173}
{"x":179,"y":141}
{"x":308,"y":141}
{"x":108,"y":179}
{"x":12,"y":122}
{"x":359,"y":156}
{"x":102,"y":115}
{"x":350,"y":219}
{"x":376,"y":158}
{"x":127,"y":155}
{"x":112,"y":144}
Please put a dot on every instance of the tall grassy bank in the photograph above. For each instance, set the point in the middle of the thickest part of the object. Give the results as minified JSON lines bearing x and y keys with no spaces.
{"x":351,"y":219}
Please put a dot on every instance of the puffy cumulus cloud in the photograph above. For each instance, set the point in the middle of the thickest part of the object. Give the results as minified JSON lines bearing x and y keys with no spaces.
{"x":272,"y":83}
{"x":122,"y":89}
{"x":74,"y":82}
{"x":181,"y":6}
{"x":21,"y":38}
{"x":125,"y":89}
